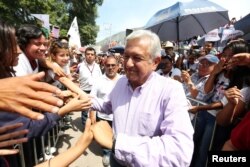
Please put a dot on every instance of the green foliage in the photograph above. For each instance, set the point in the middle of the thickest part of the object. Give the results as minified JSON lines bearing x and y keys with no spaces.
{"x":86,"y":12}
{"x":62,"y":13}
{"x":13,"y":12}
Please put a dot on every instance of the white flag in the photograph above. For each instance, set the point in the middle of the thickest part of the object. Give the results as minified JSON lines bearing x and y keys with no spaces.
{"x":74,"y":39}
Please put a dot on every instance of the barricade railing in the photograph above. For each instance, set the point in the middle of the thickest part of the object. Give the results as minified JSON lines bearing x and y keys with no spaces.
{"x":195,"y":102}
{"x":45,"y":143}
{"x":200,"y":103}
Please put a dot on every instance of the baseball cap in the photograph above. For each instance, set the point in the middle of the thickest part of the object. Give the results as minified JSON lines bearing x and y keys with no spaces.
{"x":211,"y":58}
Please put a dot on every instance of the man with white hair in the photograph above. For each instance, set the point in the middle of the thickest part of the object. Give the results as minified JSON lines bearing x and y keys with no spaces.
{"x":151,"y":123}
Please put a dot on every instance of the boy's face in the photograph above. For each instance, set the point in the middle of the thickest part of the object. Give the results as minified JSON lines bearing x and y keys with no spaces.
{"x":37,"y":48}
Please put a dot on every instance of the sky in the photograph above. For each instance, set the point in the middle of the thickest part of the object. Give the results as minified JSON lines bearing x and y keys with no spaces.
{"x":118,"y":15}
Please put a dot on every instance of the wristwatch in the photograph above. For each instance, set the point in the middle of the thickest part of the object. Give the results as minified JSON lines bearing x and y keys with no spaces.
{"x":113,"y":145}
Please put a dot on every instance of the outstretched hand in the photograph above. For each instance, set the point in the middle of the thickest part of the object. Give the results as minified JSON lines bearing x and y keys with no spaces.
{"x":185,"y":76}
{"x":58,"y":71}
{"x":103,"y":134}
{"x":193,"y":109}
{"x":21,"y":94}
{"x":240,"y":59}
{"x":8,"y":139}
{"x":87,"y":136}
{"x":77,"y":104}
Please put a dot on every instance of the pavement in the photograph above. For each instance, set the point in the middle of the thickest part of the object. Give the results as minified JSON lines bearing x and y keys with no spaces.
{"x":92,"y":157}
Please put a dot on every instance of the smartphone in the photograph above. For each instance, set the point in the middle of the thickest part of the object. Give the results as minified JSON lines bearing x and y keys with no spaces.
{"x":55,"y":31}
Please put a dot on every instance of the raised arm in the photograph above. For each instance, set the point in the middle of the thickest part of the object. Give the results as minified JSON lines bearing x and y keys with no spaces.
{"x":211,"y":106}
{"x":233,"y":108}
{"x":187,"y":80}
{"x":48,"y":64}
{"x":209,"y":85}
{"x":240,"y":59}
{"x":67,"y":157}
{"x":11,"y":138}
{"x":21,"y":94}
{"x":75,"y":104}
{"x":72,"y":86}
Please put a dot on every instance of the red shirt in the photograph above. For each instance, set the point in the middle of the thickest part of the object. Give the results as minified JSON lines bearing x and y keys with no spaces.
{"x":240,"y":135}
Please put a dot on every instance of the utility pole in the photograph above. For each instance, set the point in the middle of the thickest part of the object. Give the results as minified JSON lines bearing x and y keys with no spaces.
{"x":108,"y":29}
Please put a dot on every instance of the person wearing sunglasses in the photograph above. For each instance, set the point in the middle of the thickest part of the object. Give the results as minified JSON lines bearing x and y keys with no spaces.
{"x":101,"y":89}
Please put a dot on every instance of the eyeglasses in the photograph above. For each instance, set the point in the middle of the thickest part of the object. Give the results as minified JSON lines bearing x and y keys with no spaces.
{"x":110,"y":65}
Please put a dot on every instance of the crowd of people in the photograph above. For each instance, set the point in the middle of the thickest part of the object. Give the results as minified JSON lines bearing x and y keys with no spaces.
{"x":137,"y":105}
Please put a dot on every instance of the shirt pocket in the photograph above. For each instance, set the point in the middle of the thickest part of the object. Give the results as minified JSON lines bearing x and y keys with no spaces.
{"x":146,"y":124}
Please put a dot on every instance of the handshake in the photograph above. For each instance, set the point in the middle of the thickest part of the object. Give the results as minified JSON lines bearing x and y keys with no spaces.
{"x":100,"y":131}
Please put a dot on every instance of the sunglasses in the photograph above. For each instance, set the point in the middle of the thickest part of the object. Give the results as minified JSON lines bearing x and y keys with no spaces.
{"x":60,"y":44}
{"x":110,"y":65}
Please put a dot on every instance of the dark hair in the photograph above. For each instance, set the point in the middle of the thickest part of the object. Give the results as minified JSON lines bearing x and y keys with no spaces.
{"x":211,"y":42}
{"x":90,"y":49}
{"x":112,"y":57}
{"x":239,"y":75}
{"x":8,"y":49}
{"x":63,"y":38}
{"x":167,"y":57}
{"x":237,"y":46}
{"x":27,"y":32}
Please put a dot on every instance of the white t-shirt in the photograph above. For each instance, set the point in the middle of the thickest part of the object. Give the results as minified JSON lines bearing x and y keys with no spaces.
{"x":219,"y":90}
{"x":88,"y":75}
{"x":102,"y":87}
{"x":171,"y":74}
{"x":24,"y":67}
{"x":51,"y":76}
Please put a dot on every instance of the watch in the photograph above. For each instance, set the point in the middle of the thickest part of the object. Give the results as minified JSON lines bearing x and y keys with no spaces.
{"x":113,"y":146}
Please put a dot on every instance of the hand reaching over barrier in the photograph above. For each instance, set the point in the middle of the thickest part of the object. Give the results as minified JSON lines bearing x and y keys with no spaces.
{"x":11,"y":138}
{"x":22,"y":94}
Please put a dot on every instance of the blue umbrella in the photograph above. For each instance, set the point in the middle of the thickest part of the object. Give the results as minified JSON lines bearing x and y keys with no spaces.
{"x":185,"y":20}
{"x":117,"y":49}
{"x":244,"y":25}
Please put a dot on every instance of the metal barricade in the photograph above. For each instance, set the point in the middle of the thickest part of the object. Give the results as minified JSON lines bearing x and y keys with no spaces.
{"x":198,"y":103}
{"x":47,"y":142}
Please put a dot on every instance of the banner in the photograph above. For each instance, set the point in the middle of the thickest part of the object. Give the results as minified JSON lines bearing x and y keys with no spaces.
{"x":230,"y":34}
{"x":74,"y":39}
{"x":212,"y":35}
{"x":44,"y":18}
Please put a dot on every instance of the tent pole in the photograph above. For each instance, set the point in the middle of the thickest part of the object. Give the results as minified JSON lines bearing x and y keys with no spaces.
{"x":178,"y":35}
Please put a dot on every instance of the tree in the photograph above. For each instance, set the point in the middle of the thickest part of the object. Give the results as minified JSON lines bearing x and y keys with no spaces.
{"x":13,"y":12}
{"x":62,"y":13}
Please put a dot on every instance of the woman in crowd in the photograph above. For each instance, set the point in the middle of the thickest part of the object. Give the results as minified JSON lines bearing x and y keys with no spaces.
{"x":9,"y":58}
{"x":240,"y":137}
{"x":219,"y":80}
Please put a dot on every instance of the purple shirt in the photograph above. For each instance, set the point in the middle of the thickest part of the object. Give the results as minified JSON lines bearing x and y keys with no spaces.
{"x":151,"y":123}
